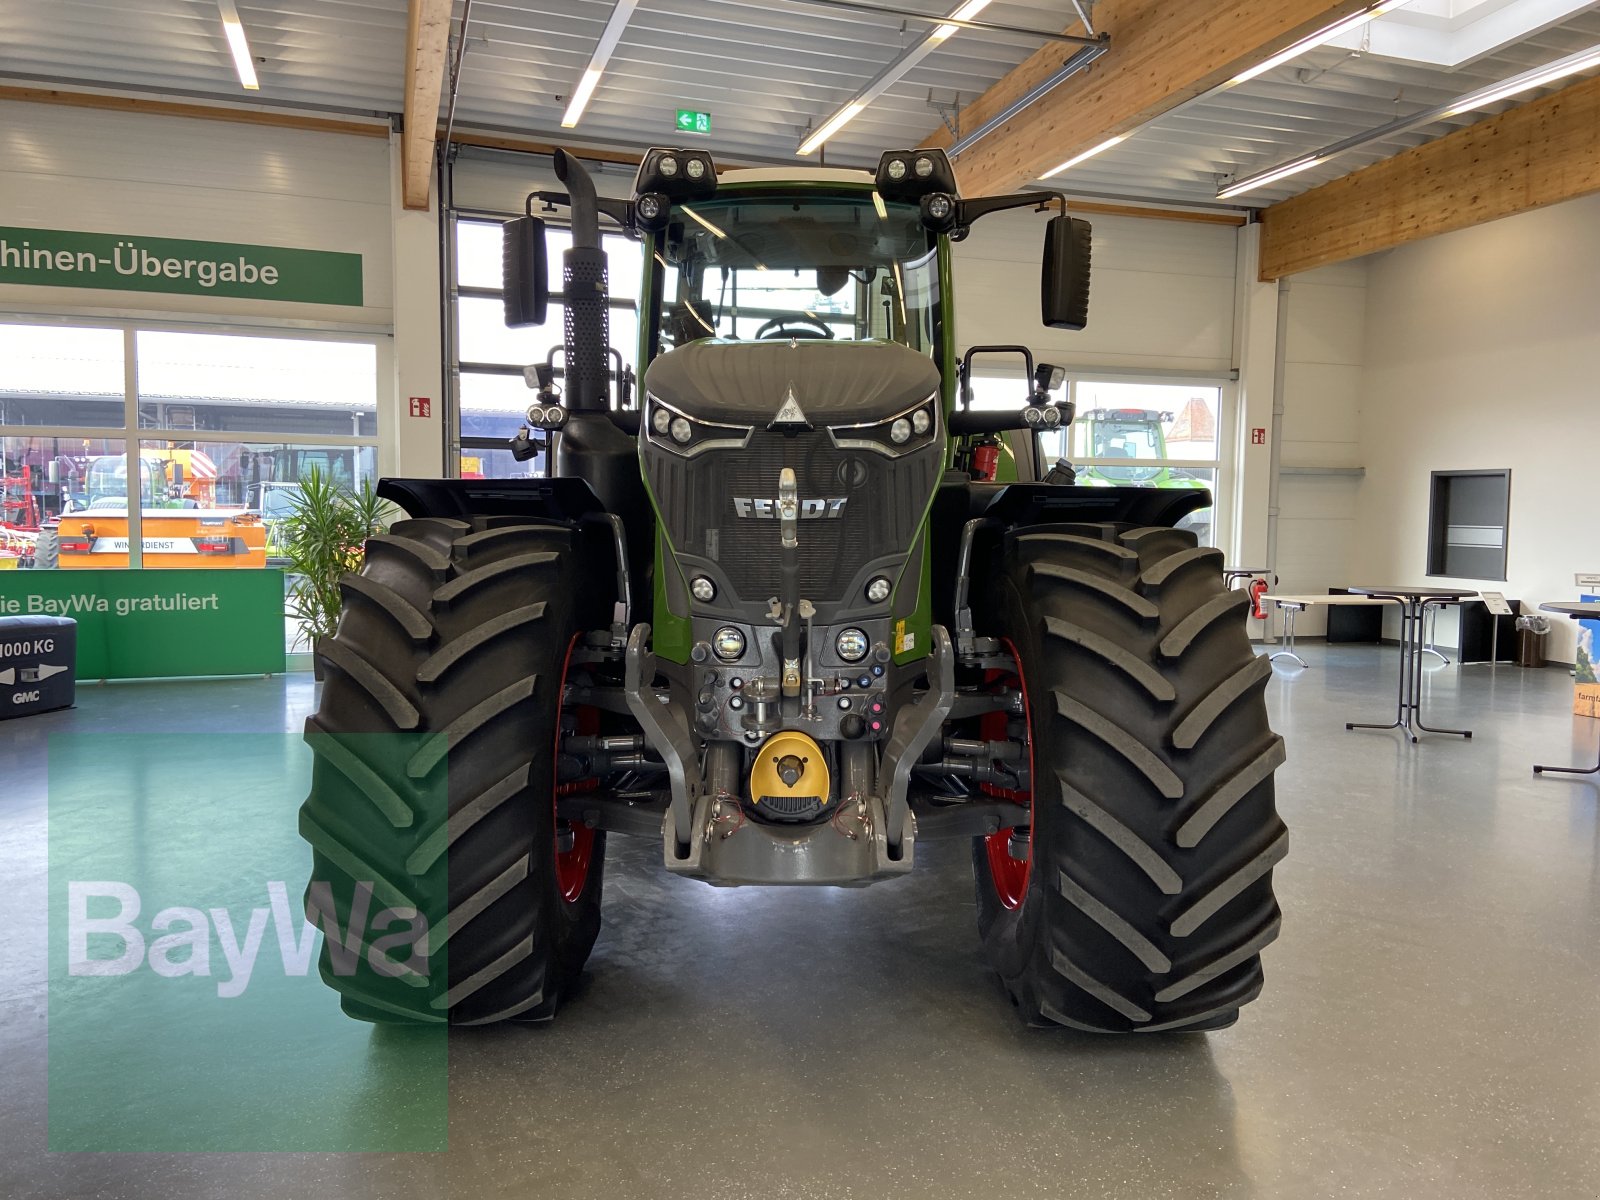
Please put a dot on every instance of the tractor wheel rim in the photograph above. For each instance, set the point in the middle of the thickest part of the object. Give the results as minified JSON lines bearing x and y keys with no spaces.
{"x":572,"y":865}
{"x":1010,"y":875}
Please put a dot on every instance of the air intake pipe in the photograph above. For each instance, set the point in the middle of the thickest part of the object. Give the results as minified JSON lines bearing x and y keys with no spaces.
{"x":583,"y":287}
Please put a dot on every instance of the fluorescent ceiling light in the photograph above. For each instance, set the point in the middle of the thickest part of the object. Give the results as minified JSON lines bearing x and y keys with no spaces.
{"x":1583,"y":60}
{"x":1322,"y":36}
{"x":1076,"y":159}
{"x":881,"y":82}
{"x":1250,"y":183}
{"x":609,"y":37}
{"x":965,"y":13}
{"x":233,"y":30}
{"x":580,"y":97}
{"x":832,"y":126}
{"x":1525,"y":82}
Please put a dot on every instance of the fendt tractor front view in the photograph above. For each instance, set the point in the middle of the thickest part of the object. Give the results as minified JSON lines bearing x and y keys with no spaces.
{"x":786,"y":602}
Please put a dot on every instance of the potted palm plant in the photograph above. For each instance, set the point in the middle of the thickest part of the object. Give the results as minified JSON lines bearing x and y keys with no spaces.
{"x":324,"y":537}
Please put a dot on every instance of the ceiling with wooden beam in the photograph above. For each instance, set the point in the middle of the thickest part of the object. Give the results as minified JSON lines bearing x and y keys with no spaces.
{"x":1535,"y":155}
{"x":427,"y":44}
{"x":766,"y":70}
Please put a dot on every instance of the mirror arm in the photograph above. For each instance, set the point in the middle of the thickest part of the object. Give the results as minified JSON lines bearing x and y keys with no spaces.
{"x":969,"y":211}
{"x":620,"y":211}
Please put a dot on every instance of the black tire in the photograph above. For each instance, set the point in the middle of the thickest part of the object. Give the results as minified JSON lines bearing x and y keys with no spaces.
{"x":47,"y":550}
{"x":1149,"y":889}
{"x":433,"y":771}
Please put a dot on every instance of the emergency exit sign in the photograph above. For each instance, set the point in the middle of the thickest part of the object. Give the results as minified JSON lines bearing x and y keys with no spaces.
{"x":693,"y":122}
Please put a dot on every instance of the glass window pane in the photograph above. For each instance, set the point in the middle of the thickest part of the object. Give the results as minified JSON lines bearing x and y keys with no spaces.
{"x":496,"y":462}
{"x":493,"y":405}
{"x":56,"y":375}
{"x":221,"y":381}
{"x":480,"y":256}
{"x":1146,"y":420}
{"x":48,"y":487}
{"x":482,"y":336}
{"x":221,"y":504}
{"x":996,"y":393}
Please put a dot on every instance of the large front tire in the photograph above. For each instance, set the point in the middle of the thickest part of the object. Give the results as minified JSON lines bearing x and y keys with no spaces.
{"x":1143,"y":895}
{"x":433,"y":779}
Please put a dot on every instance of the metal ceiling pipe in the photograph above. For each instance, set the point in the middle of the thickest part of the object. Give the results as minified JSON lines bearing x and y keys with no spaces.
{"x":1077,"y":62}
{"x":889,"y":10}
{"x":455,"y":75}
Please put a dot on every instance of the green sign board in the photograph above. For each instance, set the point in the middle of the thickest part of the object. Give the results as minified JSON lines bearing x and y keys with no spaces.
{"x":693,"y":122}
{"x":148,"y":624}
{"x":122,"y":262}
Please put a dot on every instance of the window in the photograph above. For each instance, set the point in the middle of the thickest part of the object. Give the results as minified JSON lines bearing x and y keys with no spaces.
{"x":231,"y":421}
{"x":1467,"y":522}
{"x":226,"y":381}
{"x":491,"y":399}
{"x":1131,"y":433}
{"x":56,"y":375}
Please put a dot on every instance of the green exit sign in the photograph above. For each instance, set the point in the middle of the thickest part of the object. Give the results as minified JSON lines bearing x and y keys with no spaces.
{"x":693,"y":122}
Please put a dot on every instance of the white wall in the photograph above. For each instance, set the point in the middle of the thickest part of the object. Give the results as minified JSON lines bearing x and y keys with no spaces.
{"x":1483,"y":351}
{"x":159,"y":176}
{"x":1323,"y":384}
{"x":1162,"y":296}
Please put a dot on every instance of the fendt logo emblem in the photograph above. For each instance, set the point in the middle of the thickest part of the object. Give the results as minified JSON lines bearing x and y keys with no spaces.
{"x":830,"y":508}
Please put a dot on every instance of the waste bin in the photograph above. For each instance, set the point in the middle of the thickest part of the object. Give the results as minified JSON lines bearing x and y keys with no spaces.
{"x":1532,"y":630}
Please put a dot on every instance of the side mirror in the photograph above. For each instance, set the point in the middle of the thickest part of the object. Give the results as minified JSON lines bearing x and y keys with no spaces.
{"x":525,"y":272}
{"x":1064,"y":280}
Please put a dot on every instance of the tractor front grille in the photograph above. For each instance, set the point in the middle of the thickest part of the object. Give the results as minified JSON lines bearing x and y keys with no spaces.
{"x":884,"y":502}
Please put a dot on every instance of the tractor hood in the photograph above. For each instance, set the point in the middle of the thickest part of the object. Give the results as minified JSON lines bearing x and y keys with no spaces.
{"x":833,"y":383}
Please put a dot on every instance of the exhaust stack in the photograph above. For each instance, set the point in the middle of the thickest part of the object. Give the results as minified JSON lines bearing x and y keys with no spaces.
{"x":587,"y":329}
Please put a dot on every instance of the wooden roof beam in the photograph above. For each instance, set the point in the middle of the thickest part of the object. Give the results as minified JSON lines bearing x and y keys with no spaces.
{"x":1527,"y":157}
{"x":427,"y":46}
{"x":1163,"y":52}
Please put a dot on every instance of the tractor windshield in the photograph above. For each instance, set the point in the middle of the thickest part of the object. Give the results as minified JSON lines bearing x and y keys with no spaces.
{"x":780,"y":265}
{"x":1126,"y":439}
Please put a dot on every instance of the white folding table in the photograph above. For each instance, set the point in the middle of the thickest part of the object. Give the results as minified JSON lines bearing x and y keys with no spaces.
{"x":1289,"y":606}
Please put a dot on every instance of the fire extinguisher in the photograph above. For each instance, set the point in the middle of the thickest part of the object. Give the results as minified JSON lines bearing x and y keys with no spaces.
{"x":985,"y":460}
{"x":1258,"y":589}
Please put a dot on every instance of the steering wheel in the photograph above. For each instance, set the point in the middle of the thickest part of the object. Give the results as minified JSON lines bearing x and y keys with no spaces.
{"x":808,"y":328}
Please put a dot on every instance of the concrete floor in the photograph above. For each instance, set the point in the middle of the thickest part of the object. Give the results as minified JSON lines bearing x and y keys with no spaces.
{"x":1428,"y":1028}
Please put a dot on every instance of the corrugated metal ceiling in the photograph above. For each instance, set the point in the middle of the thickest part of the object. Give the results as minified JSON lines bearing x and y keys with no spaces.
{"x":764,"y":69}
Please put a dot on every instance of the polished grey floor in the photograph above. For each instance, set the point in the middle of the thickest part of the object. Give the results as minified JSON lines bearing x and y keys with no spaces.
{"x":1430,"y":1028}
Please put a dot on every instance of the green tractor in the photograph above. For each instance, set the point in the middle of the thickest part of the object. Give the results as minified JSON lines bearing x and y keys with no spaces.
{"x":782,"y":615}
{"x":1140,"y":434}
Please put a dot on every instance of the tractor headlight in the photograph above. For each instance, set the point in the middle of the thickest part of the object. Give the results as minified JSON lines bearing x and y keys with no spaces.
{"x":686,"y":435}
{"x":911,"y":430}
{"x":728,"y":644}
{"x":852,"y":645}
{"x":703,"y":589}
{"x":878,"y":589}
{"x":668,"y":165}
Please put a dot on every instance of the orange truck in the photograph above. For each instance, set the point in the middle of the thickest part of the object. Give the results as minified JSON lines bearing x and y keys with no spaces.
{"x":184,"y":536}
